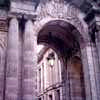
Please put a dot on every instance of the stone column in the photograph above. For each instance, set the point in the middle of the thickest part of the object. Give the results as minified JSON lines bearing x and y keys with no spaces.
{"x":56,"y":76}
{"x":2,"y":71}
{"x":42,"y":78}
{"x":29,"y":62}
{"x":60,"y":70}
{"x":65,"y":80}
{"x":97,"y":53}
{"x":12,"y":68}
{"x":38,"y":80}
{"x":96,"y":69}
{"x":98,"y":44}
{"x":46,"y":74}
{"x":89,"y":64}
{"x":3,"y":42}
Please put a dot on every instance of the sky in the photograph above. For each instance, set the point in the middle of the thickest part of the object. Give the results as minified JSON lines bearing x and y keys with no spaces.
{"x":39,"y":48}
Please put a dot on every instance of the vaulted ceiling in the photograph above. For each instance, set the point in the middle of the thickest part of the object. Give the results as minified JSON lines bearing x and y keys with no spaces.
{"x":60,"y":36}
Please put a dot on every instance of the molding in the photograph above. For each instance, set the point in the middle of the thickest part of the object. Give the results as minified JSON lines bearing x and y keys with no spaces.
{"x":23,"y":8}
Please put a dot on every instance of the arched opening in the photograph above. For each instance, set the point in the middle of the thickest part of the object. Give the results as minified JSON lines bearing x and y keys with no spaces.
{"x":65,"y":40}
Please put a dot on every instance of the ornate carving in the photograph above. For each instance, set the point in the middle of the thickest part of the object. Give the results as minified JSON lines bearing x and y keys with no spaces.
{"x":52,"y":10}
{"x":57,"y":10}
{"x":61,"y":11}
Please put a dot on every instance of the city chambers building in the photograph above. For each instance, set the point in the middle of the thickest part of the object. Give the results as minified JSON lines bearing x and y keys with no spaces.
{"x":49,"y":81}
{"x":70,"y":31}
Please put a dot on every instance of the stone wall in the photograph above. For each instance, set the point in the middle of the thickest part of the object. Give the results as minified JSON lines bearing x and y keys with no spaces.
{"x":18,"y":57}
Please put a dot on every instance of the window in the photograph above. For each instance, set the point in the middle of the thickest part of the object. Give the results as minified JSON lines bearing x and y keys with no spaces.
{"x":51,"y":59}
{"x":39,"y":99}
{"x":58,"y":95}
{"x":50,"y":97}
{"x":43,"y":75}
{"x":39,"y":79}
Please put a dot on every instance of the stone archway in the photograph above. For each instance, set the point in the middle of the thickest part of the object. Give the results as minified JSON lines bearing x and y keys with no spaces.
{"x":61,"y":11}
{"x":51,"y":11}
{"x":66,"y":13}
{"x":64,"y":39}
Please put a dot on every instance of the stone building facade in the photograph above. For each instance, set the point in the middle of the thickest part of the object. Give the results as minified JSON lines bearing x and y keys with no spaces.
{"x":70,"y":27}
{"x":49,"y":80}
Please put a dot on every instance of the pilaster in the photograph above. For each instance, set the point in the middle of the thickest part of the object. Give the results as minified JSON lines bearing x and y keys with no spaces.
{"x":29,"y":62}
{"x":97,"y":52}
{"x":12,"y":68}
{"x":89,"y":67}
{"x":3,"y":45}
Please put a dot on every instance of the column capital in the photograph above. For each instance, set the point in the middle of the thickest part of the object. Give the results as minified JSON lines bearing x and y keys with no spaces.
{"x":11,"y":17}
{"x":30,"y":23}
{"x":20,"y":16}
{"x":12,"y":71}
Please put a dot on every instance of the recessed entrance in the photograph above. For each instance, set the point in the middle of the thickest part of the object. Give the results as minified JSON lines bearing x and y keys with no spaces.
{"x":65,"y":40}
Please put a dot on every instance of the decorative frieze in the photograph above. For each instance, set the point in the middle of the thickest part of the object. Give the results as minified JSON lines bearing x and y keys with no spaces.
{"x":57,"y":9}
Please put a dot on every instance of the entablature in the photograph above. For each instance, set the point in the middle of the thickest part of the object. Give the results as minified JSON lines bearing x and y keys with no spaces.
{"x":19,"y":9}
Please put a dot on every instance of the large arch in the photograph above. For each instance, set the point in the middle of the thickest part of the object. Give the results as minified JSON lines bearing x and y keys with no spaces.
{"x":65,"y":40}
{"x":65,"y":16}
{"x":52,"y":11}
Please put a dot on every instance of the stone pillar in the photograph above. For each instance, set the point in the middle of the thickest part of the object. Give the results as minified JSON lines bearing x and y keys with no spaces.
{"x":12,"y":68}
{"x":98,"y":44}
{"x":56,"y":76}
{"x":38,"y":80}
{"x":2,"y":71}
{"x":97,"y":53}
{"x":96,"y":69}
{"x":46,"y":73}
{"x":42,"y":76}
{"x":3,"y":42}
{"x":65,"y":80}
{"x":29,"y":62}
{"x":89,"y":65}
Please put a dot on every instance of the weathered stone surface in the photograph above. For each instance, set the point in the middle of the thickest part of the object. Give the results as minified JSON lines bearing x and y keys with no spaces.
{"x":28,"y":62}
{"x":2,"y":71}
{"x":3,"y":45}
{"x":22,"y":7}
{"x":47,"y":10}
{"x":12,"y":70}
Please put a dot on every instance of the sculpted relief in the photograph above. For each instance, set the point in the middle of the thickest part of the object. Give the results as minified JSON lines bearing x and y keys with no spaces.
{"x":56,"y":9}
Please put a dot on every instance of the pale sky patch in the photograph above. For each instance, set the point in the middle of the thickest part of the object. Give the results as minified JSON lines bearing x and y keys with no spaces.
{"x":39,"y":47}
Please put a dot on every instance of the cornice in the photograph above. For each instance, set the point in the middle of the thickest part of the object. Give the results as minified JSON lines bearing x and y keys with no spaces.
{"x":22,"y":8}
